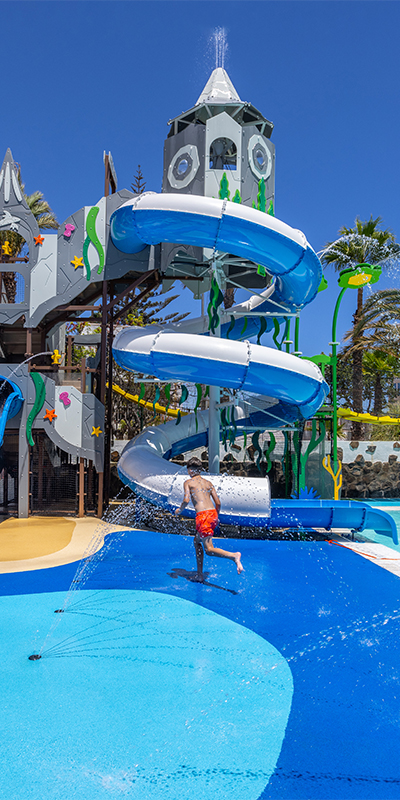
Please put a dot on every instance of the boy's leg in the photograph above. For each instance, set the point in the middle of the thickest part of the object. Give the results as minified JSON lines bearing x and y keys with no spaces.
{"x":217,"y":551}
{"x":199,"y":559}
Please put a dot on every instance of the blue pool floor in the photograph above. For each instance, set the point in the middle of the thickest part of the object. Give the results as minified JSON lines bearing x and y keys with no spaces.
{"x":295,"y":664}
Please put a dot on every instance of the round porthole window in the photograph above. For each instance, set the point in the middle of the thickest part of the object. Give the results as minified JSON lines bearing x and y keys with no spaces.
{"x":183,"y":167}
{"x":259,"y":156}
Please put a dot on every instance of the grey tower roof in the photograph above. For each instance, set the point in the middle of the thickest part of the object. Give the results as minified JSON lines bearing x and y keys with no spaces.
{"x":218,"y":95}
{"x":219,"y":89}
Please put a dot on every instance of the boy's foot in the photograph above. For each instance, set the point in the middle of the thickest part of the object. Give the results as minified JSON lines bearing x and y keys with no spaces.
{"x":238,"y":563}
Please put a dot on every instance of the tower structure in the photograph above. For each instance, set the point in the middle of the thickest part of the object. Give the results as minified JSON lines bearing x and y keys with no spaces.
{"x":219,"y":148}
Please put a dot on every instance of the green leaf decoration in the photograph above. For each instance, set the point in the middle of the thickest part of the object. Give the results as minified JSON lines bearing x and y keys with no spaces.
{"x":167,"y":392}
{"x":184,"y":394}
{"x":268,"y":450}
{"x":323,"y":285}
{"x":237,"y":198}
{"x":261,"y":271}
{"x":271,"y":209}
{"x":257,"y":448}
{"x":263,"y":328}
{"x":224,"y":193}
{"x":199,"y":390}
{"x":231,"y":326}
{"x":244,"y":439}
{"x":207,"y":392}
{"x":275,"y":335}
{"x":261,"y":199}
{"x":40,"y":396}
{"x":179,"y":417}
{"x":142,"y":391}
{"x":216,"y":298}
{"x":156,"y":398}
{"x":361,"y":275}
{"x":243,"y":331}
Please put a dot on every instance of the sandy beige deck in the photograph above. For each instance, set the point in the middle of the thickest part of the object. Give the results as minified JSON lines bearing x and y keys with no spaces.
{"x":43,"y":542}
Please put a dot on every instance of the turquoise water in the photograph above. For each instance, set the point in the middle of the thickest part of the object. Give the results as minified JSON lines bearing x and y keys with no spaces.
{"x":138,"y":694}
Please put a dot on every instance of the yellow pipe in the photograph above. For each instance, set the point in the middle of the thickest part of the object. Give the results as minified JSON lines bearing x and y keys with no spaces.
{"x":346,"y":413}
{"x":172,"y":412}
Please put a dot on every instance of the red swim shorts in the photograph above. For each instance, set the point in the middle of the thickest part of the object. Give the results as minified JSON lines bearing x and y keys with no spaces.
{"x":206,"y":522}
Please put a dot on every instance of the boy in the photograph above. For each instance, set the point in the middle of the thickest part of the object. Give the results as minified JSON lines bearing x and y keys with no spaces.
{"x":207,"y":505}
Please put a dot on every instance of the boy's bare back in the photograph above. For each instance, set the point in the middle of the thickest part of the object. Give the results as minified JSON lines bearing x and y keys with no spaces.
{"x":202,"y":494}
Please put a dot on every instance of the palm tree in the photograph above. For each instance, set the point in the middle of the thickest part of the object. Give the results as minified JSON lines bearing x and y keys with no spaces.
{"x":45,"y":218}
{"x":365,"y":243}
{"x":379,"y":365}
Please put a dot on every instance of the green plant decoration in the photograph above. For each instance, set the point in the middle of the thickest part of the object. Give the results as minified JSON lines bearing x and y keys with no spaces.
{"x":268,"y":450}
{"x":224,"y":193}
{"x":313,"y":443}
{"x":182,"y":399}
{"x":245,"y":323}
{"x":323,"y":285}
{"x":261,"y":199}
{"x":167,"y":392}
{"x":231,"y":326}
{"x":142,"y":391}
{"x":361,"y":275}
{"x":156,"y":398}
{"x":261,"y":271}
{"x":256,"y":445}
{"x":216,"y":299}
{"x":40,"y":396}
{"x":271,"y":209}
{"x":263,"y":328}
{"x":92,"y":237}
{"x":236,"y":197}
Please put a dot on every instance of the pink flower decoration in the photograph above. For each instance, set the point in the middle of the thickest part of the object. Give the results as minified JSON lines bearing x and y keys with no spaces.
{"x":68,"y":230}
{"x":65,"y":399}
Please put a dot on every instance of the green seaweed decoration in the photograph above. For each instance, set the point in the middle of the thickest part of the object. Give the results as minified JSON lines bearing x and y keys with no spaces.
{"x":92,"y":237}
{"x":182,"y":399}
{"x":313,"y":443}
{"x":231,"y":326}
{"x":156,"y":398}
{"x":271,"y":209}
{"x":268,"y":449}
{"x":261,"y":198}
{"x":167,"y":392}
{"x":40,"y":396}
{"x":199,"y":390}
{"x":224,"y":193}
{"x":142,"y":391}
{"x":237,"y":197}
{"x":277,"y":327}
{"x":216,"y":299}
{"x":257,"y":448}
{"x":263,"y":328}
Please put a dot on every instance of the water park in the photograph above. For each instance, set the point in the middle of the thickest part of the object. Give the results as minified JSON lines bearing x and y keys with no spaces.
{"x":126,"y":671}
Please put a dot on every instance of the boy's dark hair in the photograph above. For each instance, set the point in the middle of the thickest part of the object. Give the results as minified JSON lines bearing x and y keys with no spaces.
{"x":195,"y":465}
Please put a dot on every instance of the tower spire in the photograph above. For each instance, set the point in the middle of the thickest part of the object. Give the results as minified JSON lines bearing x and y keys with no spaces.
{"x":219,"y":89}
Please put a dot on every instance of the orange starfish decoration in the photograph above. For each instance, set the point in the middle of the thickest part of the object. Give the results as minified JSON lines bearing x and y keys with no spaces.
{"x":50,"y":414}
{"x":39,"y":239}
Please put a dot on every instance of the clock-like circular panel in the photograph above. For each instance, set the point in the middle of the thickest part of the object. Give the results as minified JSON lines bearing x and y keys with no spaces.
{"x":260,"y":158}
{"x":183,"y":167}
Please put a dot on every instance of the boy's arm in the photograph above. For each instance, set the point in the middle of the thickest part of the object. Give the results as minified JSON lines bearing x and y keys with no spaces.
{"x":216,"y":500}
{"x":186,"y":498}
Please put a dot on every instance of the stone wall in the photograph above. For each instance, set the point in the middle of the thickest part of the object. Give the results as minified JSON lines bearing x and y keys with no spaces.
{"x":374,"y":479}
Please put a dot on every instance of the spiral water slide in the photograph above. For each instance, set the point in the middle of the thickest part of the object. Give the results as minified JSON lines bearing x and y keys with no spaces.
{"x":283,"y":387}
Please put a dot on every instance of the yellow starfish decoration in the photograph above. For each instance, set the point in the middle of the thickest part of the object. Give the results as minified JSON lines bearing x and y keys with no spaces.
{"x":96,"y":431}
{"x":77,"y":262}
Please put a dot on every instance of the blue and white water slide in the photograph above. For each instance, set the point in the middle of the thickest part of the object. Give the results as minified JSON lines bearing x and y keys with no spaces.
{"x":283,"y":387}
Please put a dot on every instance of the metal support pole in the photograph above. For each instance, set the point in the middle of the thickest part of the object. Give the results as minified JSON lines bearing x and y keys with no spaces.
{"x":81,"y":506}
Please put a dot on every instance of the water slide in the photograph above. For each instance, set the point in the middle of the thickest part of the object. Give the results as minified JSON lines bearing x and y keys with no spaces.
{"x":283,"y":387}
{"x":11,"y":400}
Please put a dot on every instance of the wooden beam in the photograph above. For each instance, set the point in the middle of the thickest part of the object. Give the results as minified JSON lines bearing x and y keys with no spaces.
{"x":136,"y":299}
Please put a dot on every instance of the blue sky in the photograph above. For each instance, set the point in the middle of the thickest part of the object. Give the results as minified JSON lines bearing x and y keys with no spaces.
{"x":81,"y":77}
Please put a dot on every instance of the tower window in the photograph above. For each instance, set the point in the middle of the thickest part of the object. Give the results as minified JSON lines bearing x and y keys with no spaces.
{"x":223,"y":154}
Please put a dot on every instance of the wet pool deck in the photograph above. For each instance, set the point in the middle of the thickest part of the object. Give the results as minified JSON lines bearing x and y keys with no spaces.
{"x":334,"y":618}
